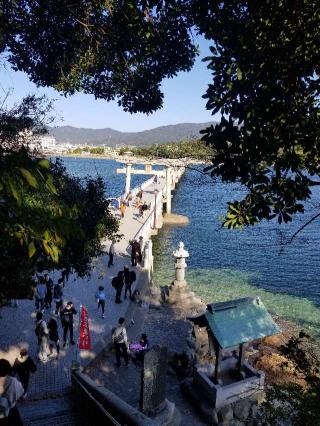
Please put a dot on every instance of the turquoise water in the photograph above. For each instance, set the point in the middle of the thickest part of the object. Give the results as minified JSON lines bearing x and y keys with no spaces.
{"x":226,"y":264}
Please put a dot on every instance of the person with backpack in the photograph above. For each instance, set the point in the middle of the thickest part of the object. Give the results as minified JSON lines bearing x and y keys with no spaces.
{"x":22,"y":367}
{"x":135,"y":252}
{"x":53,"y":335}
{"x":66,"y":315}
{"x":11,"y":390}
{"x":42,"y":334}
{"x":120,"y":341}
{"x":58,"y":295}
{"x":117,"y":284}
{"x":129,"y":278}
{"x":101,"y":299}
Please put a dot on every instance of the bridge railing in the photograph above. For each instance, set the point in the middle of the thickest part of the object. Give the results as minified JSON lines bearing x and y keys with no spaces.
{"x":135,"y":190}
{"x":104,"y":406}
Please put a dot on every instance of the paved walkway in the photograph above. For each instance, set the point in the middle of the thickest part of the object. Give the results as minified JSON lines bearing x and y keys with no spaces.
{"x":17,"y":324}
{"x":168,"y":327}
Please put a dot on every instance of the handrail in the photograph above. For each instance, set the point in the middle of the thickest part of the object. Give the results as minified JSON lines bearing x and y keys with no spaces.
{"x":123,"y":411}
{"x":97,"y":403}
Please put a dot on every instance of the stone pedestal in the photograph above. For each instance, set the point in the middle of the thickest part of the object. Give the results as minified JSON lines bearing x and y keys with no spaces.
{"x":179,"y":291}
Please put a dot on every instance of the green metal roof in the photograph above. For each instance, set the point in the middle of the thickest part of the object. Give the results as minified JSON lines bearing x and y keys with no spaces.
{"x":240,"y":321}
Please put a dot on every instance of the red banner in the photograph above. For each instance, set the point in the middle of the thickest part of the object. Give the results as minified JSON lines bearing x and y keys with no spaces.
{"x":84,"y":338}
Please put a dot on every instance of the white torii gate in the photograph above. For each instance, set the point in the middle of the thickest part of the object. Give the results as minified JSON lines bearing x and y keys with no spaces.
{"x":148,"y":170}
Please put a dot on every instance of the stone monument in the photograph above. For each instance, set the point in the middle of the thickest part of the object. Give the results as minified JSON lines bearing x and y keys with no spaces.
{"x":179,"y":292}
{"x":153,"y":400}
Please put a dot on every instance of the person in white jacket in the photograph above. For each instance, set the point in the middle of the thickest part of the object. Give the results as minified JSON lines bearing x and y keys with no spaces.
{"x":42,"y":334}
{"x":120,"y":341}
{"x":11,"y":390}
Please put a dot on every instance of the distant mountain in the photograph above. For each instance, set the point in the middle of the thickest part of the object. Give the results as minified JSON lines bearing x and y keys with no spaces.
{"x":163,"y":134}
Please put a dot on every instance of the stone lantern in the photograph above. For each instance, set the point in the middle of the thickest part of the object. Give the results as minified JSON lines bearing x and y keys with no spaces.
{"x":179,"y":292}
{"x":180,"y":265}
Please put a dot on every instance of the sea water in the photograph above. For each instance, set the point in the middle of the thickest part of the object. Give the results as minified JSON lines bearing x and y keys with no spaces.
{"x":257,"y":261}
{"x":225,"y":264}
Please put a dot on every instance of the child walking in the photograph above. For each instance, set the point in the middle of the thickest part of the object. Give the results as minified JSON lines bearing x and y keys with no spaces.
{"x":101,"y":299}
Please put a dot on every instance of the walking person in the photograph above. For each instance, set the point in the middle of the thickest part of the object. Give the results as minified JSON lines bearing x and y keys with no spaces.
{"x":129,"y":278}
{"x":129,"y":199}
{"x":40,"y":294}
{"x":22,"y":367}
{"x":49,"y":285}
{"x":135,"y":252}
{"x":54,"y":335}
{"x":111,"y":253}
{"x":123,"y":208}
{"x":141,"y":243}
{"x":120,"y":341}
{"x":11,"y":390}
{"x":117,"y":284}
{"x":42,"y":334}
{"x":58,"y":295}
{"x":101,"y":299}
{"x":67,"y":322}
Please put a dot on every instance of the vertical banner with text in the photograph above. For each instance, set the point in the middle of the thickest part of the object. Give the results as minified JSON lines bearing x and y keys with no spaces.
{"x":84,"y":335}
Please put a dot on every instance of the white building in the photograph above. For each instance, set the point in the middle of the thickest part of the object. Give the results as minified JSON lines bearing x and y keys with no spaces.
{"x":46,"y":142}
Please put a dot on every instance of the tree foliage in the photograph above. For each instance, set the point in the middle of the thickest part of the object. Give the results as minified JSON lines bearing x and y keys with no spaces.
{"x":265,"y":83}
{"x":265,"y":78}
{"x":112,"y":49}
{"x":48,"y":219}
{"x":192,"y":149}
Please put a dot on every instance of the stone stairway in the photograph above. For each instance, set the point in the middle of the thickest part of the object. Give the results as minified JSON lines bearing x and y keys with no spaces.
{"x":51,"y":412}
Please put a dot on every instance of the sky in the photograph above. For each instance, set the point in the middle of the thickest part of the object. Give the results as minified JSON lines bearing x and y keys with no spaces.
{"x":183,"y":102}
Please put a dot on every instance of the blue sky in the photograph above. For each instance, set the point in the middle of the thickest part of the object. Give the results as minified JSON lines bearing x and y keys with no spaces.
{"x":183,"y":101}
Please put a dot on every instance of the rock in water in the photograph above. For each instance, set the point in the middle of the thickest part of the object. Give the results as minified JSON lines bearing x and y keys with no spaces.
{"x":175,"y":219}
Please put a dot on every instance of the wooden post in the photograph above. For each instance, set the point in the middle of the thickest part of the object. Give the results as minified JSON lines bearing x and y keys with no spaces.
{"x":128,"y":178}
{"x":168,"y":189}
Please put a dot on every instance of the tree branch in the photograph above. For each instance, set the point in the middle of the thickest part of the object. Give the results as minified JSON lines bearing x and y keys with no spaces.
{"x":303,"y":226}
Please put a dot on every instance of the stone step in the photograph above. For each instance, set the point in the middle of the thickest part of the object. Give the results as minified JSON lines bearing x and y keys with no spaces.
{"x":63,"y":420}
{"x":51,"y":412}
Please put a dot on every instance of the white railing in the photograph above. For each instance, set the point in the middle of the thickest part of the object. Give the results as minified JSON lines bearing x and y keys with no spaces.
{"x":135,"y":190}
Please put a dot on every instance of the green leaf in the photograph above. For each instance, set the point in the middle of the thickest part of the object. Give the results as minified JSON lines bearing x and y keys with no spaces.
{"x":45,"y":164}
{"x":31,"y":249}
{"x":239,"y":74}
{"x":55,"y":253}
{"x":14,"y":191}
{"x":32,"y":181}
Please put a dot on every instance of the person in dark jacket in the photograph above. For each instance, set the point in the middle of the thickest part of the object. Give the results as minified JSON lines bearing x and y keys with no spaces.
{"x":117,"y":283}
{"x":58,"y":295}
{"x":53,"y":335}
{"x":135,"y":253}
{"x":23,"y":366}
{"x":49,"y":284}
{"x":67,"y":322}
{"x":129,"y":278}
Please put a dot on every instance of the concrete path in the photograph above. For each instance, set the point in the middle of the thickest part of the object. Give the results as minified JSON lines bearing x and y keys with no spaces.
{"x":17,"y":324}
